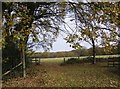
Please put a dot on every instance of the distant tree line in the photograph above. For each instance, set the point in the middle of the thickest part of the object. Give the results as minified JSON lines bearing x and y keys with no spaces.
{"x":75,"y":53}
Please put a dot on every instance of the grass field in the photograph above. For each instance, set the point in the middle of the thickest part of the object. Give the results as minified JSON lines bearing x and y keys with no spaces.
{"x":51,"y":74}
{"x":60,"y":60}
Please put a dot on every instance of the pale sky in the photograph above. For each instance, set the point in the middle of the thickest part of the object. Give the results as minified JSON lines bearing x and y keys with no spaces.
{"x":60,"y":44}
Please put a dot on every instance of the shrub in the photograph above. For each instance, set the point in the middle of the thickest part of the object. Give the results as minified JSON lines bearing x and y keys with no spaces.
{"x":72,"y":61}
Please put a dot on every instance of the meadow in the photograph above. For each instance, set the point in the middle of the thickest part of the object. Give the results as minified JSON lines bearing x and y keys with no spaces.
{"x":50,"y":73}
{"x":61,"y":59}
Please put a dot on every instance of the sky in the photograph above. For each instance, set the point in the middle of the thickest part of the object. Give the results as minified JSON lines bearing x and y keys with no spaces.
{"x":60,"y":44}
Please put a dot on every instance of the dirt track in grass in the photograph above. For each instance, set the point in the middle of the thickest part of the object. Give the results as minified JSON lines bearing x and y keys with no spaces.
{"x":70,"y":75}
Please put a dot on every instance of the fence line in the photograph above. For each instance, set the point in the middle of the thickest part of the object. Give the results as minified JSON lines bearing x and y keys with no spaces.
{"x":12,"y":69}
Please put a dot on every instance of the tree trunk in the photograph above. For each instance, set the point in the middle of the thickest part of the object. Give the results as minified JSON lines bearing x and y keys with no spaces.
{"x":24,"y":56}
{"x":94,"y":52}
{"x":23,"y":59}
{"x":118,"y":48}
{"x":119,"y":41}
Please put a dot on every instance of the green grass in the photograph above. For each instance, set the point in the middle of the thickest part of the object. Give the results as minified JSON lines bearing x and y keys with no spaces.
{"x":60,"y":60}
{"x":106,"y":56}
{"x":55,"y":60}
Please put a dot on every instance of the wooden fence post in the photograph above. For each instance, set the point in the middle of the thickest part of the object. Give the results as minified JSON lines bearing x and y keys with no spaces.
{"x":64,"y":60}
{"x":36,"y":60}
{"x":39,"y":60}
{"x":30,"y":60}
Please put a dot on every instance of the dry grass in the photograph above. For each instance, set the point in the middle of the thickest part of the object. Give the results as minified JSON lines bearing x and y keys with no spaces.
{"x":75,"y":75}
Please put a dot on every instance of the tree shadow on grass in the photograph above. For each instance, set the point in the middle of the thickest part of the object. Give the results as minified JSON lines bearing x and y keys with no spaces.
{"x":115,"y":70}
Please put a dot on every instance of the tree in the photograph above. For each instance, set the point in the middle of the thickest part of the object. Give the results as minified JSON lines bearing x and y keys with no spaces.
{"x":30,"y":24}
{"x":92,"y":25}
{"x":112,"y":15}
